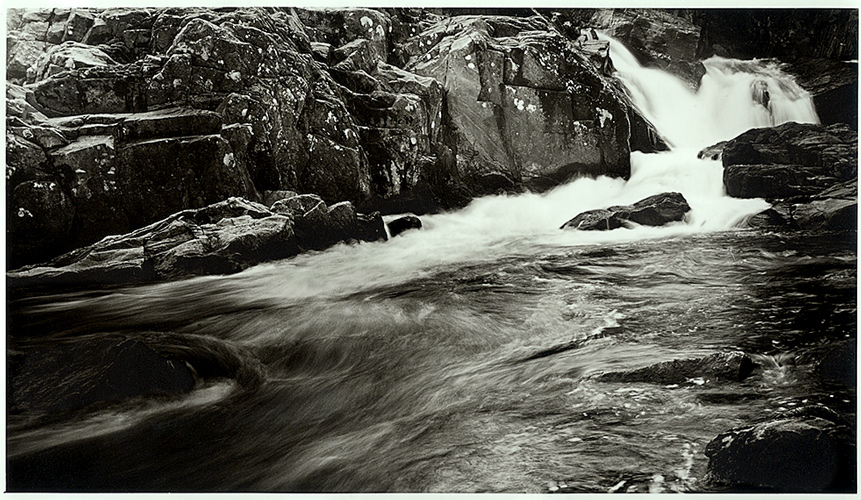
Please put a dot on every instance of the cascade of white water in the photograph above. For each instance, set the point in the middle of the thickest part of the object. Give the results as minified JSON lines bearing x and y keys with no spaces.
{"x":734,"y":96}
{"x":730,"y":101}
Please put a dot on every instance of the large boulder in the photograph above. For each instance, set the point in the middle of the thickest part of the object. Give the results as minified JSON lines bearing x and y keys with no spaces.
{"x":319,"y":226}
{"x":809,"y":172}
{"x":727,"y":367}
{"x":524,"y":103}
{"x":656,"y":210}
{"x":789,"y":160}
{"x":831,"y":150}
{"x":222,"y":238}
{"x":798,"y":455}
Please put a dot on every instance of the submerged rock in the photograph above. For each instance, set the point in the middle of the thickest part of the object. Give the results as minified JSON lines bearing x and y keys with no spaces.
{"x":656,"y":210}
{"x":840,"y":365}
{"x":71,"y":375}
{"x":798,"y":455}
{"x":731,"y":367}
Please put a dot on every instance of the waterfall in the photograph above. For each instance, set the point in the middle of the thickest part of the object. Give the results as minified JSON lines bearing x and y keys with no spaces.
{"x":734,"y":96}
{"x":731,"y":100}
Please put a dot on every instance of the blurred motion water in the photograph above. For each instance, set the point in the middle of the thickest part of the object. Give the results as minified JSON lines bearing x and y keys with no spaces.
{"x":460,"y":358}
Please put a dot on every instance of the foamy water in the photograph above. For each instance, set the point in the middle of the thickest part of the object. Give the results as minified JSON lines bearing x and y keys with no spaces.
{"x":457,"y":358}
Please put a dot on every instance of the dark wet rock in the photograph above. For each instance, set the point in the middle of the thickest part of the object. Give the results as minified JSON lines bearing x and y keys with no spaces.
{"x":71,"y":375}
{"x":371,"y":227}
{"x":807,"y":171}
{"x":730,"y":367}
{"x":657,"y":37}
{"x":404,"y":223}
{"x":644,"y":135}
{"x":176,"y":173}
{"x":834,"y":87}
{"x":778,"y":217}
{"x":39,"y":217}
{"x":713,"y":152}
{"x":219,"y":239}
{"x":319,"y":226}
{"x":656,"y":210}
{"x":835,"y":209}
{"x":830,"y":150}
{"x":839,"y":366}
{"x":89,"y":174}
{"x":799,"y":455}
{"x":839,"y":105}
{"x":775,"y":181}
{"x":785,"y":34}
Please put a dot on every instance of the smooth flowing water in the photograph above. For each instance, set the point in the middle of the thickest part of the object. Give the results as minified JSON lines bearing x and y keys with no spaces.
{"x":460,"y":358}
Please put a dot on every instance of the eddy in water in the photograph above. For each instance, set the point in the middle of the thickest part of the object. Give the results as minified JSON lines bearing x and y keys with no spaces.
{"x":488,"y":352}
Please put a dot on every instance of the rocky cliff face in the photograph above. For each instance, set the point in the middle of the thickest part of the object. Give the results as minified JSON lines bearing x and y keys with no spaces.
{"x":118,"y":118}
{"x":785,"y":34}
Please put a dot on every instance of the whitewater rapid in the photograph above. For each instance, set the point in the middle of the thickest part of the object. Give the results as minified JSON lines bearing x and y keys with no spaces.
{"x":494,"y":227}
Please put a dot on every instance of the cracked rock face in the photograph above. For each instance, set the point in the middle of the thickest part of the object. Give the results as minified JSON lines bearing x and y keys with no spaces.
{"x":135,"y":114}
{"x":525,"y":105}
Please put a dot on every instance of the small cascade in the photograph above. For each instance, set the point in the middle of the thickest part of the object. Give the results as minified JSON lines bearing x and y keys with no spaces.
{"x":734,"y":96}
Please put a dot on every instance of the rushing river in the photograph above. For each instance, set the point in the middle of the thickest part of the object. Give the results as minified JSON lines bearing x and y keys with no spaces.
{"x":460,"y":358}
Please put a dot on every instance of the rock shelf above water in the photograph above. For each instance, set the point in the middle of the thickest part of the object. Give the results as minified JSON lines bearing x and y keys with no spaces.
{"x":656,"y":210}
